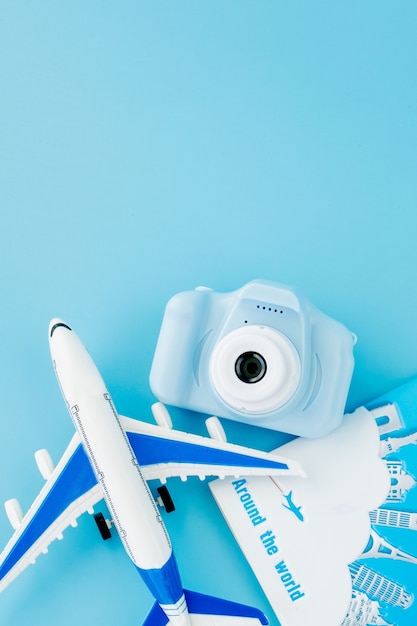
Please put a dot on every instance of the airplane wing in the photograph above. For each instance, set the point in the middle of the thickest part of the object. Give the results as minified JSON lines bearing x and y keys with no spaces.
{"x":72,"y":488}
{"x":70,"y":491}
{"x":164,"y":453}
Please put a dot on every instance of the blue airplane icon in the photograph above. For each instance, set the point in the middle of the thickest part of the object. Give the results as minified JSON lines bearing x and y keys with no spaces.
{"x":292,"y":507}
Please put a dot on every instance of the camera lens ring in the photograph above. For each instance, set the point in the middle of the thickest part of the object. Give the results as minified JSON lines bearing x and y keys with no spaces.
{"x":279,"y":382}
{"x":250,"y":367}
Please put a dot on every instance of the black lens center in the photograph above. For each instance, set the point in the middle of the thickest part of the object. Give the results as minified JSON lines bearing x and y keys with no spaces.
{"x":250,"y":367}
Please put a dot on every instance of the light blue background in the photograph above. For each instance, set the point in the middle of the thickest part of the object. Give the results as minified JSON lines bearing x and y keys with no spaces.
{"x":149,"y":147}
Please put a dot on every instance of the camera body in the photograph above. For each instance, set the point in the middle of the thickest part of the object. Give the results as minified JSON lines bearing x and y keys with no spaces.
{"x":263,"y":355}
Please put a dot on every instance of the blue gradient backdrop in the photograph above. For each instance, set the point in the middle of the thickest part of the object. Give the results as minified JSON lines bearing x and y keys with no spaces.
{"x":149,"y":147}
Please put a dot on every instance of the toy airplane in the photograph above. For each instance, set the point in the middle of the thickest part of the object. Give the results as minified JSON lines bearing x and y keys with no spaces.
{"x":113,"y":457}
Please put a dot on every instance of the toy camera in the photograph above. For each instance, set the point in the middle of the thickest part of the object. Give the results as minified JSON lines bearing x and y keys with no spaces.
{"x":263,"y":355}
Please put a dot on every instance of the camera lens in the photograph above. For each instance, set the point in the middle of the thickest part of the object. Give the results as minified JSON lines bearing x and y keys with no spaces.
{"x":255,"y":354}
{"x":250,"y":367}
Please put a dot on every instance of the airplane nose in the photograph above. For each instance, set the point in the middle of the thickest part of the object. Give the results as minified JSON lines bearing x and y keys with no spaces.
{"x":57,"y":323}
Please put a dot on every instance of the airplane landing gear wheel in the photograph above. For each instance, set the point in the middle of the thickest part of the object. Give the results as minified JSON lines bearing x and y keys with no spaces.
{"x":102,"y":526}
{"x":165,"y":499}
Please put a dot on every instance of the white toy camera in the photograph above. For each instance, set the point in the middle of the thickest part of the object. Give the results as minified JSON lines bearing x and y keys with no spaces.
{"x":263,"y":355}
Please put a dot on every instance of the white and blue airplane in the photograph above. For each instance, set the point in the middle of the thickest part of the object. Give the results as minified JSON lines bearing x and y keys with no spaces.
{"x":112,"y":457}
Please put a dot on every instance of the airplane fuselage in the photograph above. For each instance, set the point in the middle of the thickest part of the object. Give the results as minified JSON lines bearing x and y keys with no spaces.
{"x":125,"y":491}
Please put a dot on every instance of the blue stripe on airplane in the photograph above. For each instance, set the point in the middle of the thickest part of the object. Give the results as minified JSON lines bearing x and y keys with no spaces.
{"x":164,"y":583}
{"x":150,"y":450}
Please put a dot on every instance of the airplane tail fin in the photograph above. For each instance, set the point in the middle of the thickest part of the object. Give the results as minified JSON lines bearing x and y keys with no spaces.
{"x":207,"y":610}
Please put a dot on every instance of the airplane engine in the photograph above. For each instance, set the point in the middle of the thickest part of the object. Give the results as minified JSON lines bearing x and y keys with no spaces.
{"x":14,"y":512}
{"x":215,"y":429}
{"x":44,"y":463}
{"x":161,"y":415}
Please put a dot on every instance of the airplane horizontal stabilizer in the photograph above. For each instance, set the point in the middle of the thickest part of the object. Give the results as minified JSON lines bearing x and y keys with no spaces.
{"x":207,"y":610}
{"x":203,"y":605}
{"x":156,"y":617}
